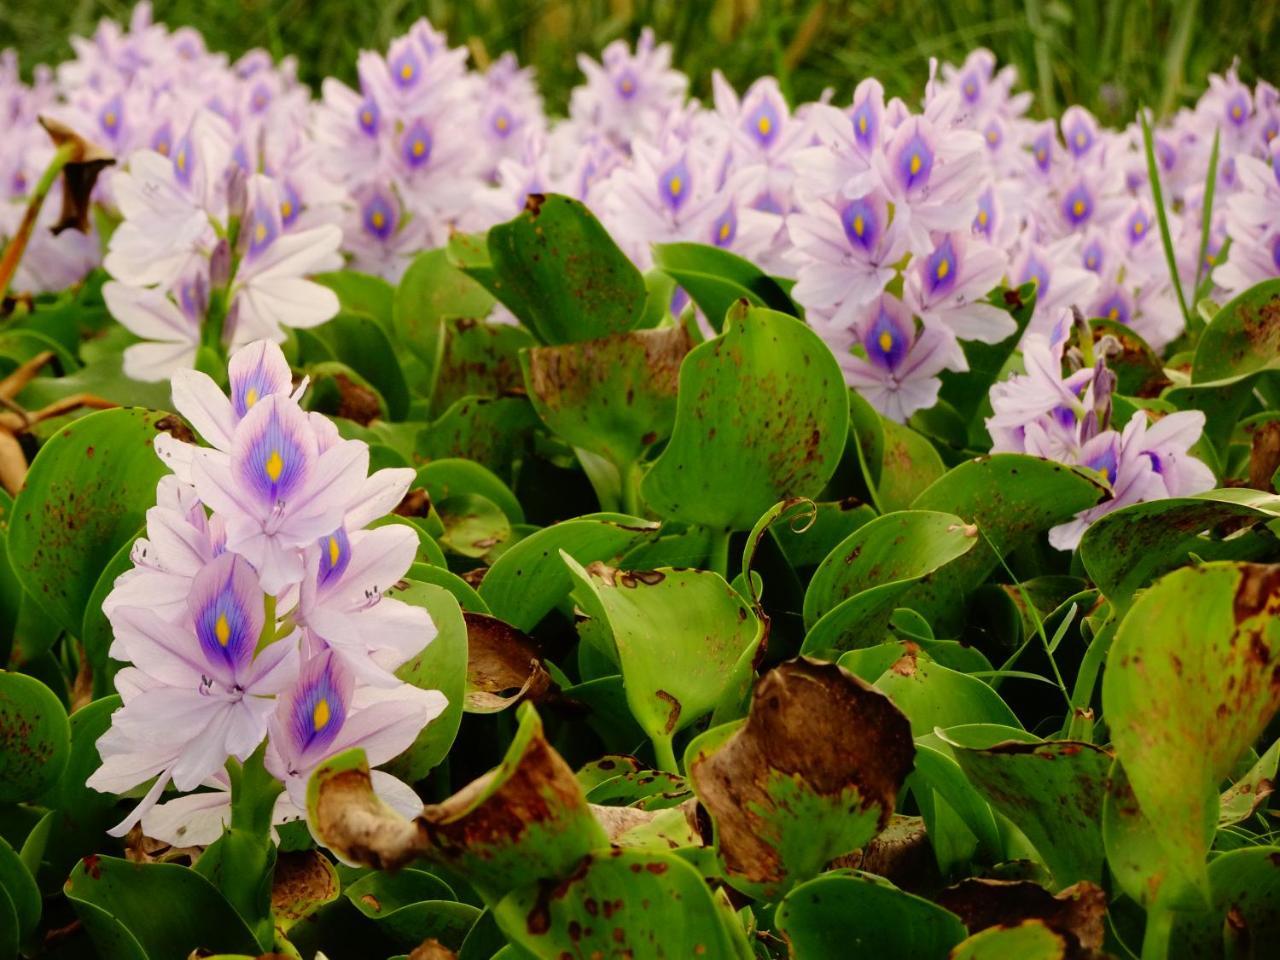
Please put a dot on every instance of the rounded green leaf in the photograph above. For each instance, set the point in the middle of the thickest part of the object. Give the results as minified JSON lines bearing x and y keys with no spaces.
{"x":35,"y":738}
{"x":639,"y":904}
{"x":450,"y":477}
{"x":87,"y":492}
{"x":842,"y":914}
{"x":615,"y":396}
{"x":898,"y":464}
{"x":1243,"y":338}
{"x":363,"y":343}
{"x":431,"y":290}
{"x":527,"y":581}
{"x":761,"y":416}
{"x":715,"y":279}
{"x":1190,"y":685}
{"x":1029,"y":940}
{"x":933,"y":696}
{"x":411,"y":906}
{"x":560,"y":272}
{"x":1244,"y":912}
{"x":473,"y":525}
{"x":110,"y":892}
{"x":477,"y":359}
{"x":17,"y":882}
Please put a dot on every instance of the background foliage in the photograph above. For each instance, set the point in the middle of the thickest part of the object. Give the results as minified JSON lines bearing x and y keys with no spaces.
{"x":1108,"y":56}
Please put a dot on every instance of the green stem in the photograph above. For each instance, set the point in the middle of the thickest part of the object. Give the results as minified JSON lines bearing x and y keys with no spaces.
{"x":664,"y":753}
{"x":1176,"y":59}
{"x":1044,"y":69}
{"x":268,"y":634}
{"x":719,"y":556}
{"x":631,"y":474}
{"x":1087,"y":677}
{"x":18,"y":245}
{"x":1155,"y":940}
{"x":1157,"y":194}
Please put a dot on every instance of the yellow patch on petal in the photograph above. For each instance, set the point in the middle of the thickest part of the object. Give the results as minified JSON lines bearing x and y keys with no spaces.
{"x":274,"y":466}
{"x":320,"y":715}
{"x":858,"y":225}
{"x":1113,"y":313}
{"x":110,"y":121}
{"x":366,"y":118}
{"x":862,"y":124}
{"x":222,"y":630}
{"x":1139,"y":228}
{"x":982,"y":218}
{"x":1078,"y":208}
{"x":378,"y":219}
{"x":286,"y":209}
{"x":676,"y":186}
{"x":406,"y":72}
{"x":335,"y":552}
{"x":764,"y":126}
{"x":250,"y":397}
{"x":944,"y":268}
{"x":915,"y":164}
{"x":419,"y":148}
{"x":724,"y":230}
{"x":260,"y":233}
{"x":886,"y":341}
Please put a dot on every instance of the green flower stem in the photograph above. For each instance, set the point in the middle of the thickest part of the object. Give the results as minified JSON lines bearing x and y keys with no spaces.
{"x":269,"y":632}
{"x":1155,"y":940}
{"x":18,"y":245}
{"x":665,"y":755}
{"x":242,"y":861}
{"x":631,"y":474}
{"x":719,"y":556}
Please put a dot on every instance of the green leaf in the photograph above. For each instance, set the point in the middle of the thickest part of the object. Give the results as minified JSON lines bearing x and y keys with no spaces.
{"x":17,"y":882}
{"x":87,"y":493}
{"x":449,"y":477}
{"x":1028,"y":940}
{"x":1244,"y":912}
{"x":96,"y":633}
{"x":849,"y":914}
{"x":35,"y":738}
{"x":473,"y":525}
{"x":655,"y":905}
{"x":1203,"y":637}
{"x":442,"y":666}
{"x":527,"y":581}
{"x":560,"y":272}
{"x":684,"y":640}
{"x":761,"y":416}
{"x":1052,"y":791}
{"x":897,"y":463}
{"x":431,"y":290}
{"x":493,"y":431}
{"x":1139,"y":863}
{"x":808,"y":544}
{"x":1012,"y":498}
{"x":1138,"y":370}
{"x":615,"y":396}
{"x":1246,"y":795}
{"x":477,"y":359}
{"x":1125,"y":550}
{"x":855,"y":589}
{"x":361,"y":293}
{"x":363,"y":344}
{"x":933,"y":696}
{"x":810,"y":775}
{"x":1243,"y":337}
{"x":413,"y":905}
{"x":126,"y":895}
{"x":715,"y":279}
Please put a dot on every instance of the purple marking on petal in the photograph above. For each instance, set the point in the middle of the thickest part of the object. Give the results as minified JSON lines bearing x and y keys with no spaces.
{"x":626,"y":84}
{"x":162,"y":139}
{"x":985,"y":219}
{"x":262,"y":229}
{"x":887,"y":340}
{"x":1105,"y":462}
{"x":1115,"y":307}
{"x":674,"y":184}
{"x":940,"y":267}
{"x":993,"y":134}
{"x":1094,"y":257}
{"x":240,"y":158}
{"x":1156,"y":463}
{"x":405,"y":68}
{"x":1166,"y":153}
{"x":971,"y":86}
{"x":379,"y":215}
{"x":768,"y":203}
{"x":415,"y":147}
{"x":1238,"y":109}
{"x":111,"y":116}
{"x":1077,"y":205}
{"x":290,"y":203}
{"x":1275,"y":251}
{"x":225,"y":605}
{"x":724,"y":228}
{"x":502,"y":122}
{"x":1040,"y":149}
{"x":184,"y":161}
{"x":763,"y":123}
{"x":1037,"y":271}
{"x":275,"y":466}
{"x":335,"y":555}
{"x":263,"y":379}
{"x":260,"y":99}
{"x":1079,"y":138}
{"x":865,"y":123}
{"x":318,"y":708}
{"x":1138,"y":226}
{"x":193,"y":297}
{"x":1270,"y":130}
{"x":369,"y":117}
{"x":914,"y":163}
{"x":1064,"y":415}
{"x":861,"y":221}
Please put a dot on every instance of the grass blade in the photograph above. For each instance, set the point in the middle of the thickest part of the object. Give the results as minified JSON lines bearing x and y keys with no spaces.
{"x":1153,"y":174}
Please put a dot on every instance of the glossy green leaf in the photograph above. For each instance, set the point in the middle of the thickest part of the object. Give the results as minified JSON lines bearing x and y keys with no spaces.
{"x":843,"y":914}
{"x":492,"y":431}
{"x":86,"y":494}
{"x":413,"y":905}
{"x":477,"y":359}
{"x":1203,"y":637}
{"x":898,"y":464}
{"x":761,"y":416}
{"x":683,"y":639}
{"x":561,"y":273}
{"x":715,"y":279}
{"x":363,"y":344}
{"x":35,"y":738}
{"x":16,"y":880}
{"x":1028,"y":940}
{"x":431,"y":290}
{"x":473,"y":525}
{"x":124,"y":894}
{"x":362,"y":293}
{"x":451,"y":477}
{"x":1244,"y":912}
{"x":1243,"y":338}
{"x":932,"y":696}
{"x":527,"y":581}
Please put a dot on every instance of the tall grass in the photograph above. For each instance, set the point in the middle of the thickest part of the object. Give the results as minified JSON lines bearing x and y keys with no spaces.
{"x":1110,"y":56}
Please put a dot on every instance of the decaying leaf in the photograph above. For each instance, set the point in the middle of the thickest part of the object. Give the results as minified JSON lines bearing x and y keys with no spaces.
{"x":811,"y":774}
{"x":1077,"y":913}
{"x":432,"y":949}
{"x":303,"y":882}
{"x":503,"y":666}
{"x":901,"y":853}
{"x":525,"y":820}
{"x":78,"y":176}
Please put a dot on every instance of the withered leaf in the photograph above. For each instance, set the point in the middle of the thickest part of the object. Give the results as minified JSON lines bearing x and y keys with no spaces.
{"x":78,"y":176}
{"x":503,"y":666}
{"x":812,"y":774}
{"x":303,"y":881}
{"x":1077,"y":913}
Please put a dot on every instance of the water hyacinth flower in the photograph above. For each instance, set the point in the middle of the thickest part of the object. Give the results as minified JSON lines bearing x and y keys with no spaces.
{"x":227,"y":646}
{"x":949,"y":286}
{"x":628,"y":95}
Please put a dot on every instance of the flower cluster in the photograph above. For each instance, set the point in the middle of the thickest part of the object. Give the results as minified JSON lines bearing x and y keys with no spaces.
{"x":256,"y":609}
{"x":1068,"y":419}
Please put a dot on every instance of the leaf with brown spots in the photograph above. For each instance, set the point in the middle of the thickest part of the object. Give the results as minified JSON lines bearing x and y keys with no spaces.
{"x":615,"y":396}
{"x":35,"y":738}
{"x":410,"y":906}
{"x":684,"y":641}
{"x":1243,"y":337}
{"x":302,"y":883}
{"x":811,"y":774}
{"x":1244,"y":909}
{"x":1077,"y":913}
{"x":638,"y":904}
{"x":523,"y":821}
{"x":761,"y":416}
{"x":1192,"y":680}
{"x":1243,"y":798}
{"x":1028,"y":940}
{"x":503,"y":666}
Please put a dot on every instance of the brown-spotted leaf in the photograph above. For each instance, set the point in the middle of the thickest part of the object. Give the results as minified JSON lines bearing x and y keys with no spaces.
{"x":1078,"y":913}
{"x":503,"y":666}
{"x":525,"y":820}
{"x":302,"y":883}
{"x":811,"y":774}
